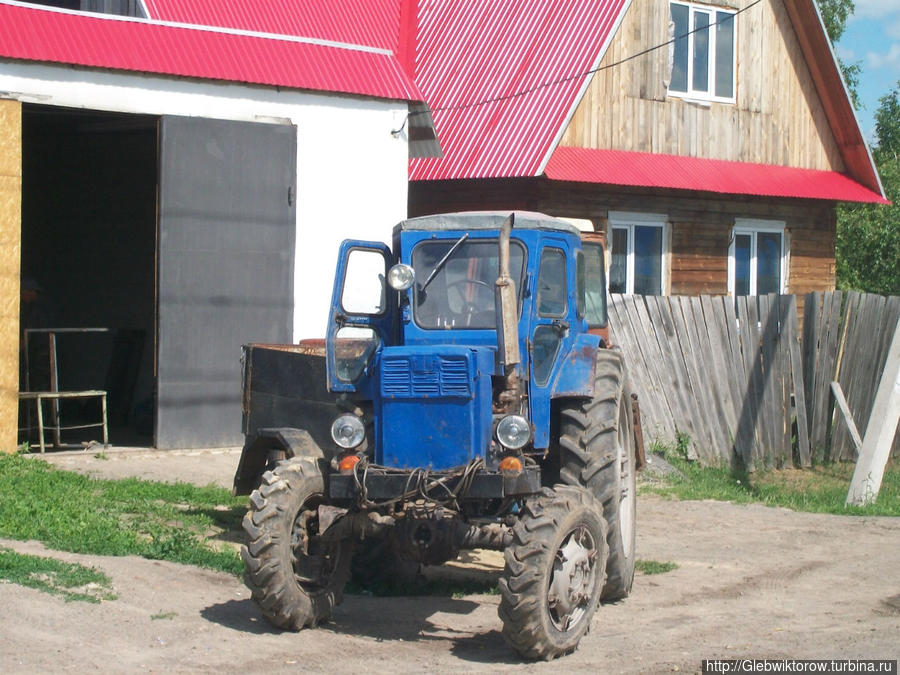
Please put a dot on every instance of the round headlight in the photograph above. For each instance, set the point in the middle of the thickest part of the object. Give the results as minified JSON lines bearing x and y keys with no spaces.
{"x":513,"y":432}
{"x":401,"y":277}
{"x":348,"y":431}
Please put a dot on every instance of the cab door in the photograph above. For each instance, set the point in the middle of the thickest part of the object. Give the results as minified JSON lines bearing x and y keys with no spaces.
{"x":362,"y":314}
{"x":550,"y":338}
{"x":593,"y":273}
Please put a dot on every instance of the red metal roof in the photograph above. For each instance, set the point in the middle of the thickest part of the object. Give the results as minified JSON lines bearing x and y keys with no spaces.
{"x":470,"y":52}
{"x":373,"y":23}
{"x":44,"y":34}
{"x":642,"y":169}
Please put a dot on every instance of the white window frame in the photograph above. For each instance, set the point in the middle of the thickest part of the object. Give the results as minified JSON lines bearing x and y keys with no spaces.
{"x":692,"y":94}
{"x":752,"y":227}
{"x":627,"y":220}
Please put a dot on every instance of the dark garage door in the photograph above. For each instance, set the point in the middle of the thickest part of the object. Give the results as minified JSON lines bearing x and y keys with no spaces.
{"x":226,"y":243}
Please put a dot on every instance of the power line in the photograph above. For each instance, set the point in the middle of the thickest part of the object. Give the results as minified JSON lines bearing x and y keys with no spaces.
{"x":569,"y":78}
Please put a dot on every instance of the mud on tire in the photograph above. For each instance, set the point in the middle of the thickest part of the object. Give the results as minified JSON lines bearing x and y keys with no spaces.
{"x":554,"y":572}
{"x":597,"y":452}
{"x":295,"y":580}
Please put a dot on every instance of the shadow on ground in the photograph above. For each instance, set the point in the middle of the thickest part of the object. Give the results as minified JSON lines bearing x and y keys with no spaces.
{"x":385,"y":619}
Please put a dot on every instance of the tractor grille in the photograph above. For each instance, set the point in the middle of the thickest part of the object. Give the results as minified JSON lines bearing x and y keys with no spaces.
{"x":425,"y":376}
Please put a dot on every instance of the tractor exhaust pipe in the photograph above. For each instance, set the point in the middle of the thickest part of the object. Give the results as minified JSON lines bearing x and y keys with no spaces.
{"x":507,"y":326}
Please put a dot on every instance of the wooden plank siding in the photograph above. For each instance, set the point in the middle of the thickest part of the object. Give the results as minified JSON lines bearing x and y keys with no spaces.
{"x":777,"y":117}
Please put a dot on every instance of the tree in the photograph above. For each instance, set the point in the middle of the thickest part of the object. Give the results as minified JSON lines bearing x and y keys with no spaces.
{"x":868,"y":236}
{"x":835,"y":14}
{"x":887,"y":125}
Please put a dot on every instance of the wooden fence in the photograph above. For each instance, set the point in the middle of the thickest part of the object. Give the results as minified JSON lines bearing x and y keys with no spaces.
{"x":846,"y":337}
{"x":731,"y":375}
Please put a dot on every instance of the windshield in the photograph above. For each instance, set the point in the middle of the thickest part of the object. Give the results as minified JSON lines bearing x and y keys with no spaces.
{"x":461,"y":293}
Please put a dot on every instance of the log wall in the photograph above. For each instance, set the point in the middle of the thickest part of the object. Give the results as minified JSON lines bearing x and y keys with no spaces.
{"x":700,"y":224}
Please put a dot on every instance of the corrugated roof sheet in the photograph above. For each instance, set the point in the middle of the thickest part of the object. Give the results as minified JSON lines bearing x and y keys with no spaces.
{"x":642,"y":169}
{"x":43,"y":34}
{"x":373,"y":23}
{"x":478,"y":50}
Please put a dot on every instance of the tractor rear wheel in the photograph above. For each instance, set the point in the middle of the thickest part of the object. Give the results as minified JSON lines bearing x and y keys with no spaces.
{"x":295,"y":579}
{"x":554,"y":572}
{"x":597,"y":451}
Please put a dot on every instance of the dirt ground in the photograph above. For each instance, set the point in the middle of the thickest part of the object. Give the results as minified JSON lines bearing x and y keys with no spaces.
{"x":752,"y":582}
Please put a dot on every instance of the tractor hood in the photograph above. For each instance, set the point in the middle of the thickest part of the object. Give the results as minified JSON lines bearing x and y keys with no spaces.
{"x":435,"y":405}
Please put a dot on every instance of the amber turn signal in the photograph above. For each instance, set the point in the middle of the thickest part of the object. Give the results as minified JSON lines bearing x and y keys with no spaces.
{"x":511,"y":464}
{"x":348,"y":463}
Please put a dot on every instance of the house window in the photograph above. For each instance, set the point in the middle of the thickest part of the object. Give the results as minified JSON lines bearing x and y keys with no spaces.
{"x":703,"y":61}
{"x":119,"y":7}
{"x":757,"y":260}
{"x":637,"y":247}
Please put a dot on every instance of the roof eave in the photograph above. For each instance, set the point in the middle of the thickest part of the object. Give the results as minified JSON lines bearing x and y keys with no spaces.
{"x":833,"y":92}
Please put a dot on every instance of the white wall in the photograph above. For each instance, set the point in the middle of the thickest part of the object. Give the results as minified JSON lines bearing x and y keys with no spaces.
{"x":351,"y":172}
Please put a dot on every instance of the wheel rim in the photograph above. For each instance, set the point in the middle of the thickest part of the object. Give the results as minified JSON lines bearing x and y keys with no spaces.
{"x":313,"y":562}
{"x":573,"y":579}
{"x":626,"y":492}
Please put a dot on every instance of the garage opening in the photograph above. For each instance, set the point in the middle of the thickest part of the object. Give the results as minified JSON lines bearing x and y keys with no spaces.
{"x":155,"y":247}
{"x":89,"y":198}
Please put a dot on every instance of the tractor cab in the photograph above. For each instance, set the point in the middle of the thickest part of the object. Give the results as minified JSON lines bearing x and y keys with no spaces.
{"x":418,"y":331}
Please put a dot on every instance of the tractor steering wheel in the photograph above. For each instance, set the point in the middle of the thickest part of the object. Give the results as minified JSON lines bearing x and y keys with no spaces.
{"x":469,"y":308}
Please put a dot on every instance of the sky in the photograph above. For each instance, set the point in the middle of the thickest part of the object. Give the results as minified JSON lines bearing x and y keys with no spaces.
{"x":872,"y":39}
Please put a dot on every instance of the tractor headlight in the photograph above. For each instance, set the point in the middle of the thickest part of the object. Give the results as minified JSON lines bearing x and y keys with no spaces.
{"x":513,"y":432}
{"x":401,"y":277}
{"x":348,"y":431}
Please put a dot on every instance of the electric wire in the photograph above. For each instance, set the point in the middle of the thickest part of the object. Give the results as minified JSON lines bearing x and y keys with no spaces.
{"x":569,"y":78}
{"x":418,"y":484}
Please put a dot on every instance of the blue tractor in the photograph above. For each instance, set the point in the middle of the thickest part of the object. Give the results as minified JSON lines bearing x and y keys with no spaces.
{"x":470,"y":401}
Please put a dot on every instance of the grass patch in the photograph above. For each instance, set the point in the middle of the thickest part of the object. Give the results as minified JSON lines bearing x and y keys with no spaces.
{"x":820,"y":489}
{"x":161,"y":521}
{"x":654,"y":566}
{"x":163,"y":616}
{"x":68,"y":580}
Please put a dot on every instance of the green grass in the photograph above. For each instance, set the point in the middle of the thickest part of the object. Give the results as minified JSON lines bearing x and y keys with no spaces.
{"x":163,"y":616}
{"x":69,"y":580}
{"x":820,"y":489}
{"x":654,"y":566}
{"x":161,"y":521}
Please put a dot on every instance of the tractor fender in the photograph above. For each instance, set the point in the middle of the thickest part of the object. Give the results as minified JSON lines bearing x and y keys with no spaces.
{"x":266,"y":446}
{"x":575,"y":376}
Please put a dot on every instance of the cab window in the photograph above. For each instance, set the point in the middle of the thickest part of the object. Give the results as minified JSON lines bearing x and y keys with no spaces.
{"x":551,"y":292}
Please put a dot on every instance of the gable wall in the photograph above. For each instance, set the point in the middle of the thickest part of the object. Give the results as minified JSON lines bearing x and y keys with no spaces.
{"x":777,"y":118}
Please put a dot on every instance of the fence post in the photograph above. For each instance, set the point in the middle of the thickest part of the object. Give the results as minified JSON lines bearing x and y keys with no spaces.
{"x":876,"y":446}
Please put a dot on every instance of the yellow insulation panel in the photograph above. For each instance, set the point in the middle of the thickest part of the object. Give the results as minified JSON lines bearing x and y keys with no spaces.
{"x":10,"y":261}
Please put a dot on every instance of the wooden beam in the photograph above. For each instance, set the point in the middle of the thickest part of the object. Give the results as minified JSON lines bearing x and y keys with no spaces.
{"x":876,"y":446}
{"x":846,"y":414}
{"x":10,"y":260}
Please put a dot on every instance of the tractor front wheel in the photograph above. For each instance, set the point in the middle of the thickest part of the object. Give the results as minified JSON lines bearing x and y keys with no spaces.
{"x":554,"y":572}
{"x":295,"y":579}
